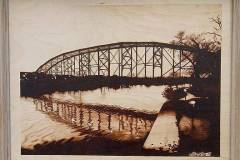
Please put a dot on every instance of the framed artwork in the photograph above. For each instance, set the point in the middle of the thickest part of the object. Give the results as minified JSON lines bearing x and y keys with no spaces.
{"x":114,"y":79}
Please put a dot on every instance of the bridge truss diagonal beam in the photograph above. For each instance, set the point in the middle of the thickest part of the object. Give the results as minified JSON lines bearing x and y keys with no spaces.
{"x":133,"y":59}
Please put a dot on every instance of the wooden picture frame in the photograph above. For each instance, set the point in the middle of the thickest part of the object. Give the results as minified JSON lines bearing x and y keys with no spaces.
{"x":5,"y":104}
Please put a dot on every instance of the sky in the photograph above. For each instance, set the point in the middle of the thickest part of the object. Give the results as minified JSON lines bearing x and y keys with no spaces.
{"x":40,"y":31}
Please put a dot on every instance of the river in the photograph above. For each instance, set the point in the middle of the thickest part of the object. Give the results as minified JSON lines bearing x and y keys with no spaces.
{"x":110,"y":119}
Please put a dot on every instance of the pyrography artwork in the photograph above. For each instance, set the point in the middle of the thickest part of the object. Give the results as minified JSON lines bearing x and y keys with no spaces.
{"x":119,"y":79}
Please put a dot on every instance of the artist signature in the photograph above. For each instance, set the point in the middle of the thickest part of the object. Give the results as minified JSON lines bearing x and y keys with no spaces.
{"x":200,"y":154}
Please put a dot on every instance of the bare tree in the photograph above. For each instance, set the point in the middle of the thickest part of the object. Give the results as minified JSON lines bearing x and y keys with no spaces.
{"x":210,"y":41}
{"x":217,"y":26}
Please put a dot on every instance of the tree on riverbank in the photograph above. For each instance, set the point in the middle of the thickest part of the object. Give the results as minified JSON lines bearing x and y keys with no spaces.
{"x":204,"y":64}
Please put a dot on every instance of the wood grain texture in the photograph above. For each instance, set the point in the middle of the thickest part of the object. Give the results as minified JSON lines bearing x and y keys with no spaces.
{"x":4,"y":84}
{"x":235,"y":106}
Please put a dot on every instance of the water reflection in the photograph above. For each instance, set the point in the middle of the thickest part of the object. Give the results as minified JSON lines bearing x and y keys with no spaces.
{"x":112,"y":122}
{"x":184,"y":123}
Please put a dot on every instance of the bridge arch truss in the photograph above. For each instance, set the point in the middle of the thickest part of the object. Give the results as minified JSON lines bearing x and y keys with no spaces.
{"x":132,"y":59}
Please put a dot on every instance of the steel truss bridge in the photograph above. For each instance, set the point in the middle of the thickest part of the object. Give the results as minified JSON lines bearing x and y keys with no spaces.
{"x":132,"y":59}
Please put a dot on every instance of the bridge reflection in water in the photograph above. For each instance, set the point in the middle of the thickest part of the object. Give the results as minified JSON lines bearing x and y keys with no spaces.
{"x":111,"y":122}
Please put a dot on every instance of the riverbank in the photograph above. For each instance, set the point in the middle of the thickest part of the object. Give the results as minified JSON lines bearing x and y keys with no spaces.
{"x":36,"y":84}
